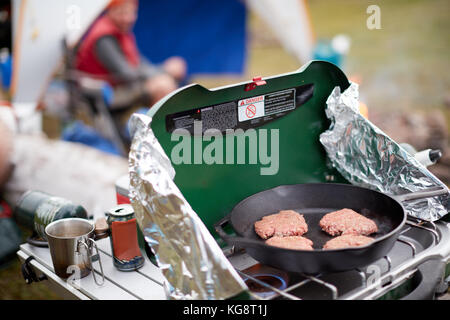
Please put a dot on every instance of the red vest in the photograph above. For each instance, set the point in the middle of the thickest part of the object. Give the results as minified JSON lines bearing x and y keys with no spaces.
{"x":86,"y":59}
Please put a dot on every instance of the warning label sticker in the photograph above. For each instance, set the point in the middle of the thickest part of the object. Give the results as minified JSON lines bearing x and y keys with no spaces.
{"x":243,"y":114}
{"x":270,"y":104}
{"x":251,"y":108}
{"x":278,"y":102}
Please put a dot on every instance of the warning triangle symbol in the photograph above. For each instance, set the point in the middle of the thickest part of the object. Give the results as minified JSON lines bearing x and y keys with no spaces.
{"x":242,"y":103}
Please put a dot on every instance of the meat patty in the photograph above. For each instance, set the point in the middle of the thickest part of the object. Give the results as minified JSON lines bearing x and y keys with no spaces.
{"x":347,"y":221}
{"x":347,"y":241}
{"x":282,"y":224}
{"x":292,"y":242}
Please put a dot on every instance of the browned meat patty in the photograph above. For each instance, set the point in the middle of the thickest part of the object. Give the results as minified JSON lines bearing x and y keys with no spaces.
{"x":347,"y":221}
{"x":347,"y":241}
{"x":292,"y":242}
{"x":282,"y":224}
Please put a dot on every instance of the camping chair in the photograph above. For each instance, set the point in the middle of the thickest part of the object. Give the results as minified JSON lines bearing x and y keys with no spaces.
{"x":92,"y":97}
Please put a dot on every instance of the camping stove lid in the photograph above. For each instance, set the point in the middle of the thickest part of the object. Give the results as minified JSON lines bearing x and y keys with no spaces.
{"x":277,"y":120}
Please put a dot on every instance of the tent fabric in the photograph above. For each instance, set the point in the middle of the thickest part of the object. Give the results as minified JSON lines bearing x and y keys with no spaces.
{"x":209,"y":35}
{"x":39,"y":28}
{"x":290,"y":23}
{"x":5,"y":72}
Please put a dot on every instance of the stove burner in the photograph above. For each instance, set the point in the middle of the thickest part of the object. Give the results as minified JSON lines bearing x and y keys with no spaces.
{"x":269,"y":279}
{"x":262,"y":280}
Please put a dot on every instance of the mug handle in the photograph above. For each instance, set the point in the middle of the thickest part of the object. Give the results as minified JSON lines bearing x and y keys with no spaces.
{"x":93,"y":258}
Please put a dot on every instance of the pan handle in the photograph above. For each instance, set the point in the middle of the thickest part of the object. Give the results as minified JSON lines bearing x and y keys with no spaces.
{"x":421,"y":194}
{"x":233,"y":240}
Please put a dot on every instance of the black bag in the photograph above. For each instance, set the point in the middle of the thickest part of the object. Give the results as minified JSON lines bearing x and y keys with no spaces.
{"x":10,"y":240}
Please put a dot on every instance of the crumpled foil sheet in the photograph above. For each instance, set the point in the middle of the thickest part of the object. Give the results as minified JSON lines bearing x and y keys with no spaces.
{"x":367,"y":157}
{"x":190,"y":259}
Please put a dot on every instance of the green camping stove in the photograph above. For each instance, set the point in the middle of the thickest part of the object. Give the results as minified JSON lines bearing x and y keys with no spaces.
{"x":229,"y":143}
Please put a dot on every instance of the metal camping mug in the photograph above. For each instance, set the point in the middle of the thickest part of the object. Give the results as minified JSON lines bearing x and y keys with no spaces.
{"x":71,"y":243}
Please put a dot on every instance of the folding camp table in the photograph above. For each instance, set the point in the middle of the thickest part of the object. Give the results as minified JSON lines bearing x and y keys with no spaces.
{"x":143,"y":284}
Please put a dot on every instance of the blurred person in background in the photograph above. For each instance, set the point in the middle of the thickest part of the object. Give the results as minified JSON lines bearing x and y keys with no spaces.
{"x":109,"y":52}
